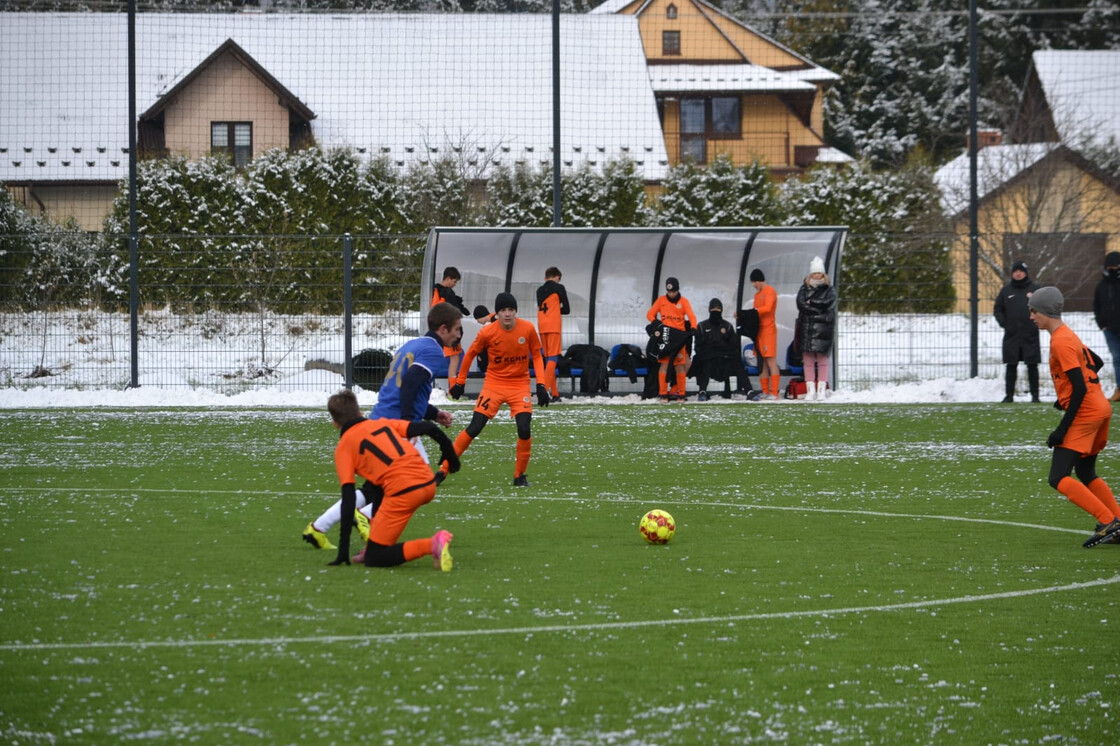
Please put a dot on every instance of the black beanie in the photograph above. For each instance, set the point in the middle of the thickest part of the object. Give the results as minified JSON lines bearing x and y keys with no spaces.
{"x":757,"y":276}
{"x":480,"y":312}
{"x":715,"y":304}
{"x":1019,"y":265}
{"x":673,"y":285}
{"x":503,"y":301}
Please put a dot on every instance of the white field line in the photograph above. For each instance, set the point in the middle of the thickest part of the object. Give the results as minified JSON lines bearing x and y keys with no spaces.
{"x":572,"y":498}
{"x":391,"y":637}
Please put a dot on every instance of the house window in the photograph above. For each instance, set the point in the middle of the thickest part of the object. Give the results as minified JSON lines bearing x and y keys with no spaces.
{"x":234,"y":139}
{"x":693,"y":131}
{"x":671,"y":42}
{"x":703,"y":119}
{"x":726,"y":119}
{"x":671,"y":11}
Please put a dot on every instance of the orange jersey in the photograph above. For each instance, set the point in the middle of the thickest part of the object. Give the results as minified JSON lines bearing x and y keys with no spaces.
{"x":509,"y":353}
{"x":379,"y":451}
{"x":672,"y":314}
{"x":766,"y":303}
{"x":552,"y":301}
{"x":1066,"y":353}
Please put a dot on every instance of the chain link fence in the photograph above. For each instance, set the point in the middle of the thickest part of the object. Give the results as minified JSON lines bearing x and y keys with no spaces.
{"x":263,"y":137}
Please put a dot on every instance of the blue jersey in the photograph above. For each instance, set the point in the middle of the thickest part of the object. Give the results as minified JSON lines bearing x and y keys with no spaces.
{"x":426,"y":352}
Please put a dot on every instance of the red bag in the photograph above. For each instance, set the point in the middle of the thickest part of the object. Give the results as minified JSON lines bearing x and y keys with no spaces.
{"x":796,"y":388}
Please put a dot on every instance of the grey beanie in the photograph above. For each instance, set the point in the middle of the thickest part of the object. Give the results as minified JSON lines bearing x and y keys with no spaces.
{"x":1048,"y":301}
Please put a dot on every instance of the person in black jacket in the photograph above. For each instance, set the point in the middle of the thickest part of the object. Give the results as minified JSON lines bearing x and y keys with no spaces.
{"x":1106,"y":310}
{"x":816,"y":328}
{"x":719,"y":355}
{"x":1020,"y":335}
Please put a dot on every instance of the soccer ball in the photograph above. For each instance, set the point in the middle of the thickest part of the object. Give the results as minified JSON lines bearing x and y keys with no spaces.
{"x":657,"y":527}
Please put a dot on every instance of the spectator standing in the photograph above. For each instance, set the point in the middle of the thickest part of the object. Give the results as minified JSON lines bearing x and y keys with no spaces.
{"x":552,"y":304}
{"x":444,"y":292}
{"x":1106,"y":310}
{"x":1020,"y":335}
{"x":816,"y":320}
{"x":766,"y":344}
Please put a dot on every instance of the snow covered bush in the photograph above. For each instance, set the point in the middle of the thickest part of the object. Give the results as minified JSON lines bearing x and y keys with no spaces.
{"x":896,"y":258}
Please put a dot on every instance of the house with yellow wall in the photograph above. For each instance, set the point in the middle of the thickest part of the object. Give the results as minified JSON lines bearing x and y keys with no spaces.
{"x":725,"y":88}
{"x":1041,"y":199}
{"x":1042,"y":203}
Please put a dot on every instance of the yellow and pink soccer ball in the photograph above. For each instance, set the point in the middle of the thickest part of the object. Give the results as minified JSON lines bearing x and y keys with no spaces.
{"x":657,"y":527}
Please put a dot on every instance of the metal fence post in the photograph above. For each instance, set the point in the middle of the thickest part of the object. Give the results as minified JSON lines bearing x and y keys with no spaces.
{"x":133,"y":220}
{"x":348,"y":307}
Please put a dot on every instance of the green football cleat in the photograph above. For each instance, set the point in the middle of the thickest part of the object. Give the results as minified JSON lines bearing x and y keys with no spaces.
{"x":317,"y":538}
{"x":362,"y":523}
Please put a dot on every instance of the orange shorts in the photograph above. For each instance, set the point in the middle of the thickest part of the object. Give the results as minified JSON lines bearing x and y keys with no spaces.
{"x":1087,"y":438}
{"x":681,"y":358}
{"x":550,"y":344}
{"x":494,"y":395}
{"x":390,"y":519}
{"x":767,"y":343}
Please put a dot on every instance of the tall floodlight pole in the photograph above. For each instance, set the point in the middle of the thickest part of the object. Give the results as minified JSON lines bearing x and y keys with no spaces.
{"x":557,"y":217}
{"x":133,"y":229}
{"x":973,"y":199}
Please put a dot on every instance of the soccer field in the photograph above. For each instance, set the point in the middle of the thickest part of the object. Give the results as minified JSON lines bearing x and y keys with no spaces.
{"x":840,"y":574}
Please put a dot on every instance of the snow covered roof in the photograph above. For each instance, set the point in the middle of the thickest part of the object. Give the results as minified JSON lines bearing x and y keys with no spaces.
{"x":388,"y":83}
{"x":734,"y":77}
{"x":610,"y":6}
{"x":995,"y":166}
{"x":1083,"y":91}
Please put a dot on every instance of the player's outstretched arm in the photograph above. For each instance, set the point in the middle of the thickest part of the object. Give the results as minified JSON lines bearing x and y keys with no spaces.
{"x":446,"y":447}
{"x":349,"y":501}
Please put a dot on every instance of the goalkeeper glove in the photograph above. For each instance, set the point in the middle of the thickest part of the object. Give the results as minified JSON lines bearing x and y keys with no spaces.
{"x":542,"y":395}
{"x":456,"y":391}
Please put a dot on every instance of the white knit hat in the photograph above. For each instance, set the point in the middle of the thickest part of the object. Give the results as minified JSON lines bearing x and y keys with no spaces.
{"x":817,"y":265}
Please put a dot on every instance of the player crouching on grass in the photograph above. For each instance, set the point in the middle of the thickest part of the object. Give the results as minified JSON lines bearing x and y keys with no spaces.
{"x":1083,"y":431}
{"x":380,"y":451}
{"x":511,"y":345}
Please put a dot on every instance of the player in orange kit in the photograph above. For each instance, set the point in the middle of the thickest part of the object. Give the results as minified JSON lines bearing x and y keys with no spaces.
{"x":511,"y":344}
{"x":380,"y":451}
{"x":552,"y":303}
{"x":1083,"y":431}
{"x":444,"y":292}
{"x":675,"y":312}
{"x":766,"y":346}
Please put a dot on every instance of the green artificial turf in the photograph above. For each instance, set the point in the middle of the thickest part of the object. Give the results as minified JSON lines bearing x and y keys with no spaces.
{"x":840,"y":574}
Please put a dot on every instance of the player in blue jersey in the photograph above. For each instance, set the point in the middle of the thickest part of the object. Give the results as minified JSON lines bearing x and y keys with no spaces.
{"x":403,"y":396}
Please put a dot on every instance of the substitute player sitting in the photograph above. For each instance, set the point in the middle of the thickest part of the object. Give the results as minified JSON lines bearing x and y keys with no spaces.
{"x":511,"y":344}
{"x":380,"y":451}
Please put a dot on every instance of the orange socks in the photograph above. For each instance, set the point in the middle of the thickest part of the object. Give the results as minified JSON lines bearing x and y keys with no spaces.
{"x":415,"y":548}
{"x":662,"y":384}
{"x":1083,"y":497}
{"x":550,"y":378}
{"x":462,"y":443}
{"x":524,"y":449}
{"x":1103,"y":492}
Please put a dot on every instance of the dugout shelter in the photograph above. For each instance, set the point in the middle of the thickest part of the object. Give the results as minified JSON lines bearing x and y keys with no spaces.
{"x":613,"y":275}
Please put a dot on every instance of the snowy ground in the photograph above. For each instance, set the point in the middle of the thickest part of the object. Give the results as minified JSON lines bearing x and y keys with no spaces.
{"x":216,"y":361}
